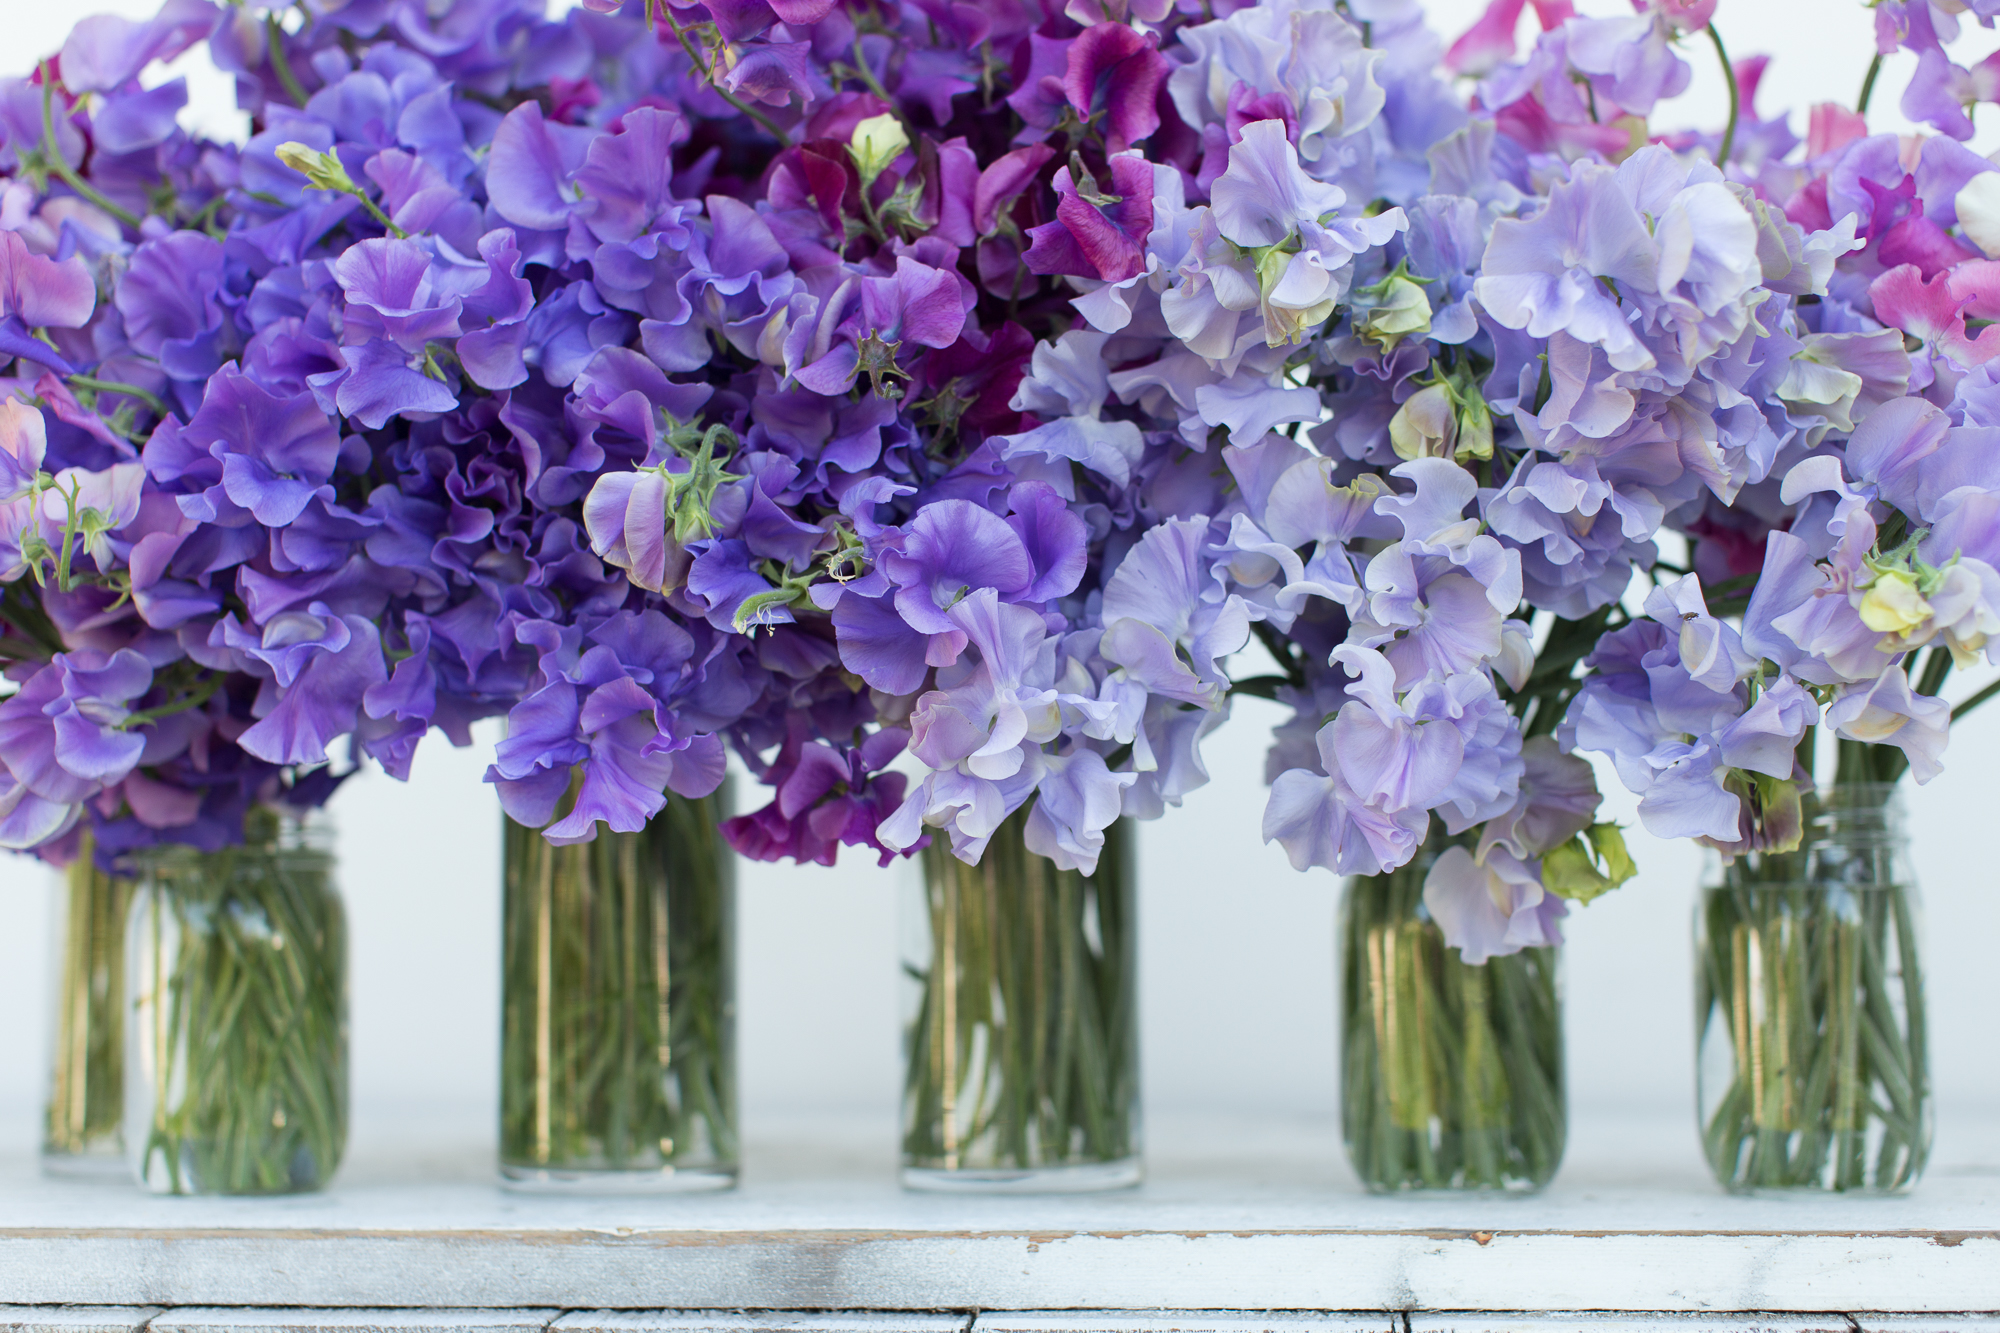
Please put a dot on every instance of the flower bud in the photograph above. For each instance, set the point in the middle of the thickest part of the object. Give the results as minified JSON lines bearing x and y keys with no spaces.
{"x":1892,"y":604}
{"x":322,"y":169}
{"x":877,"y":142}
{"x":1475,"y":425}
{"x":1401,"y":310}
{"x":1426,"y":426}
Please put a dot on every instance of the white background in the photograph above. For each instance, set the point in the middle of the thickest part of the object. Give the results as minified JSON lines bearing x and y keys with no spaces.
{"x":1237,"y":948}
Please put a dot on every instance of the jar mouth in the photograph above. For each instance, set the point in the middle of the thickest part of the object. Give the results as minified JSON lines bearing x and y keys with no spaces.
{"x":1845,"y":795}
{"x":1809,"y":886}
{"x":268,"y":830}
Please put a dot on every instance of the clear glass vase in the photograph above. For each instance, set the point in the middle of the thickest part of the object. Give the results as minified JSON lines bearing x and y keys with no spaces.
{"x":1812,"y":1067}
{"x":1022,"y":1041}
{"x":618,"y":1049}
{"x":1451,"y":1075}
{"x":236,"y":1041}
{"x":87,"y":1084}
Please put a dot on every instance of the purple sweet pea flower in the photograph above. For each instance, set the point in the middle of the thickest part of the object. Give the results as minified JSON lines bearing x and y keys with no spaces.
{"x":1158,"y":625}
{"x":265,"y":453}
{"x":1115,"y":70}
{"x":320,"y":666}
{"x":1097,"y":234}
{"x":64,"y":736}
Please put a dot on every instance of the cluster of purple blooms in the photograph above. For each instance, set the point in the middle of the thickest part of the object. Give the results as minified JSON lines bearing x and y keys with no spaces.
{"x":932,"y":402}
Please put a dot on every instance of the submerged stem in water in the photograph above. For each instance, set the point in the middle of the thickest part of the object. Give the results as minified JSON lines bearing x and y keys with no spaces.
{"x":1024,"y":1050}
{"x":1813,"y":1068}
{"x":618,"y":1013}
{"x":1451,"y":1075}
{"x":237,"y":1049}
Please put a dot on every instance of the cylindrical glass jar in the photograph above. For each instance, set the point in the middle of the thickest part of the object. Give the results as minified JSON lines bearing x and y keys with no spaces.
{"x":86,"y":1087}
{"x":618,"y":1009}
{"x":1451,"y":1075}
{"x":236,"y":1041}
{"x":1022,"y":1042}
{"x":1812,"y":1066}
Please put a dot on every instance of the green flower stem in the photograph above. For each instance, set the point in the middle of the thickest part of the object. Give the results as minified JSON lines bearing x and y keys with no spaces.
{"x":1729,"y":78}
{"x":240,"y":1019}
{"x":1024,"y":1050}
{"x":1868,"y":85}
{"x":743,"y":108}
{"x":617,"y":1051}
{"x":61,"y":166}
{"x":1451,"y":1075}
{"x":1811,"y":989}
{"x":150,"y":399}
{"x":87,"y":1093}
{"x":274,"y":39}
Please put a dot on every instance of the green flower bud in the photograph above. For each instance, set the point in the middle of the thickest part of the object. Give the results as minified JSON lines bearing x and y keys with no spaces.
{"x":1426,"y":426}
{"x":1401,"y":310}
{"x":322,"y":169}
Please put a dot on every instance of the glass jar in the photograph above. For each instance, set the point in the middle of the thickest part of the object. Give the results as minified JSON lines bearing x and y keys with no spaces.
{"x":1812,"y":1066}
{"x":236,"y":1042}
{"x":86,"y":1087}
{"x":1022,"y":1041}
{"x":1451,"y":1074}
{"x":618,"y":1009}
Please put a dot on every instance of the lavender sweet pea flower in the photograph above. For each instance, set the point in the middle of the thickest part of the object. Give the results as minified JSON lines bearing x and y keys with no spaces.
{"x":1437,"y":600}
{"x":1068,"y":385}
{"x":1629,"y":60}
{"x":1321,"y":821}
{"x":39,"y":292}
{"x":105,"y":51}
{"x":1312,"y":63}
{"x":1542,"y":274}
{"x":1886,"y":711}
{"x":1077,"y":800}
{"x":1491,"y":906}
{"x":1447,"y":744}
{"x":1557,"y":801}
{"x":24,"y":442}
{"x":1159,"y":627}
{"x":1265,"y":199}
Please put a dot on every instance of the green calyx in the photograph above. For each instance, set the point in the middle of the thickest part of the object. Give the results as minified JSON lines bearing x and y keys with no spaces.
{"x":845,"y":561}
{"x":691,"y":494}
{"x":878,"y":362}
{"x":1589,"y":865}
{"x":1773,"y":809}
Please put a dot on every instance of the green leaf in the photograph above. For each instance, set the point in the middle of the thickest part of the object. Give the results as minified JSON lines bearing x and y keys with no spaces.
{"x":1589,"y":865}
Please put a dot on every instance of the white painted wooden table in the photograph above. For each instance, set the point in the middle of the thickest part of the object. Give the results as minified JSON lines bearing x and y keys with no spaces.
{"x":1233,"y":1217}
